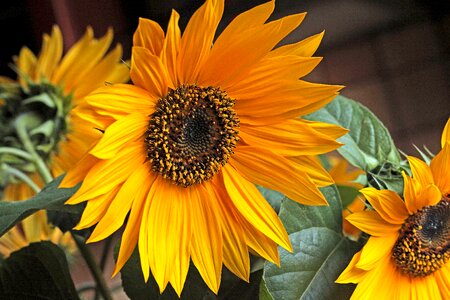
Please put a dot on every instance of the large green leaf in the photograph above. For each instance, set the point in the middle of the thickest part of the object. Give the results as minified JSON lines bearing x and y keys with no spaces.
{"x":39,"y":271}
{"x":368,"y":144}
{"x":50,"y":198}
{"x":348,"y":194}
{"x":320,"y":253}
{"x":296,"y":216}
{"x":319,"y":256}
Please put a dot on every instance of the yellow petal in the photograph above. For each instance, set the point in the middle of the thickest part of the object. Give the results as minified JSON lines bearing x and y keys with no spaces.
{"x":131,"y":233}
{"x":374,"y":250}
{"x":305,"y":48}
{"x":206,"y":243}
{"x":440,"y":167}
{"x":128,"y":129}
{"x":236,"y":50}
{"x":121,"y":204}
{"x":313,"y":168}
{"x":277,"y":68}
{"x":107,"y":174}
{"x":87,"y":59}
{"x":254,"y":208}
{"x":388,"y":204}
{"x":351,"y":274}
{"x":254,"y":17}
{"x":266,"y":168}
{"x":289,"y":138}
{"x":101,"y":74}
{"x":411,"y":190}
{"x":120,"y":100}
{"x":197,"y":39}
{"x":77,"y":174}
{"x":261,"y":244}
{"x":372,"y":223}
{"x":171,"y":47}
{"x":148,"y":72}
{"x":293,"y":98}
{"x":149,"y":35}
{"x":235,"y":250}
{"x":169,"y":234}
{"x":51,"y":53}
{"x":420,"y":171}
{"x":96,"y":208}
{"x":446,"y":134}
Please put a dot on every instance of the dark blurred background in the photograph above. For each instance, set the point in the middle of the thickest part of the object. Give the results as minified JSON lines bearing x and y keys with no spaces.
{"x":393,"y":56}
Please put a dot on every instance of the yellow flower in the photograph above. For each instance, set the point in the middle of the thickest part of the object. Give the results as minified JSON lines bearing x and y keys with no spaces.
{"x":34,"y":229}
{"x":344,"y":176}
{"x":85,"y":67}
{"x":201,"y":125}
{"x":407,"y":255}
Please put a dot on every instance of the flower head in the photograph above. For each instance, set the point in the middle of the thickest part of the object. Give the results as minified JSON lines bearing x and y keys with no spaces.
{"x":51,"y":87}
{"x":185,"y":144}
{"x":34,"y":229}
{"x":407,"y":255}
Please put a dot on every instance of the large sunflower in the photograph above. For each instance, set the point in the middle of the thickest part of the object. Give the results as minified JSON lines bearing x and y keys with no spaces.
{"x":407,"y":255}
{"x":85,"y":67}
{"x":185,"y":144}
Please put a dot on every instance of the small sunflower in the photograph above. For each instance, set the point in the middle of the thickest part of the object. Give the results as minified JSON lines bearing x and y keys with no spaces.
{"x":68,"y":78}
{"x":85,"y":67}
{"x":202,"y":124}
{"x":34,"y":229}
{"x":407,"y":255}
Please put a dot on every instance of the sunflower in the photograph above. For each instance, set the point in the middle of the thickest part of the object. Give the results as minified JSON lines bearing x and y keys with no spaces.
{"x":343,"y":175}
{"x":68,"y":79}
{"x":84,"y":68}
{"x":407,"y":255}
{"x":186,"y":143}
{"x":34,"y":229}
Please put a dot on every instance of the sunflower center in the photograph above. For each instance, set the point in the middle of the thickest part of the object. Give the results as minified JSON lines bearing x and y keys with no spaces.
{"x":191,"y":134}
{"x":424,"y":242}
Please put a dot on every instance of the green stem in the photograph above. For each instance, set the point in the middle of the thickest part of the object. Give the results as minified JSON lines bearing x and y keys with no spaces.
{"x":22,"y":132}
{"x":103,"y":259}
{"x":22,"y":176}
{"x":95,"y":270}
{"x":16,"y":152}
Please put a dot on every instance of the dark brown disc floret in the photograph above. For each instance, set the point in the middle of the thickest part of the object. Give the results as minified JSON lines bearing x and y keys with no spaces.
{"x":423,"y":245}
{"x":192,"y":134}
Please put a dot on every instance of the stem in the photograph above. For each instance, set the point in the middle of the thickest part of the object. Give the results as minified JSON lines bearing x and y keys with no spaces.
{"x":28,"y":145}
{"x":96,"y":273}
{"x":106,"y":248}
{"x":16,"y":152}
{"x":22,"y":176}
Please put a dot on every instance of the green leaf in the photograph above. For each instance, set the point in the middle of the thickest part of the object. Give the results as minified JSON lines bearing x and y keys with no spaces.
{"x":348,"y":194}
{"x":368,"y":144}
{"x":319,"y":256}
{"x":297,"y":216}
{"x":320,"y":253}
{"x":39,"y":271}
{"x":50,"y":198}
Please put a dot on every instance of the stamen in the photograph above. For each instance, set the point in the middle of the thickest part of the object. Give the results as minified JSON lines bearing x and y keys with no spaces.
{"x":423,"y":245}
{"x":192,"y":134}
